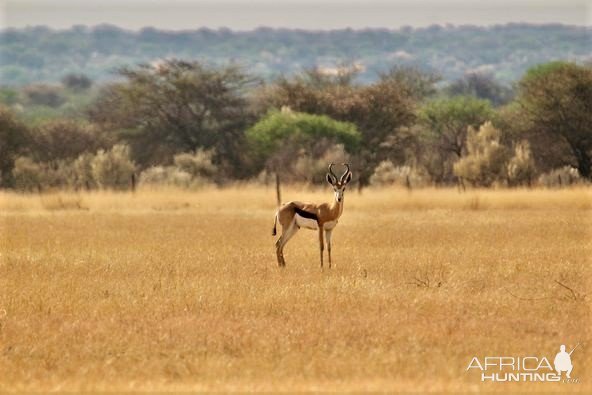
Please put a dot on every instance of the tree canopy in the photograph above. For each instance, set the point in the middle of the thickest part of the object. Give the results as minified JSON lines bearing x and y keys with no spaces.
{"x":177,"y":106}
{"x":187,"y":123}
{"x":279,"y":128}
{"x":556,"y":99}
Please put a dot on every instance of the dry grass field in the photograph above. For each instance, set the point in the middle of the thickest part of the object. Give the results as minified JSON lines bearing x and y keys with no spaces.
{"x":177,"y":290}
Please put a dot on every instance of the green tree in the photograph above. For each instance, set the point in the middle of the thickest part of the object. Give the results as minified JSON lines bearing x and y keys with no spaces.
{"x":482,"y":86}
{"x":8,"y":96}
{"x":76,"y":82}
{"x":442,"y":132}
{"x":280,"y":139}
{"x":64,"y":139}
{"x":419,"y":84}
{"x":381,"y":111}
{"x":44,"y":95}
{"x":178,"y":107}
{"x":14,"y":139}
{"x":556,"y":100}
{"x":305,"y":130}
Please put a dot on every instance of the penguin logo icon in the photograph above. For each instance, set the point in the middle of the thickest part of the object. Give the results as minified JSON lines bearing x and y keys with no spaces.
{"x":562,"y":361}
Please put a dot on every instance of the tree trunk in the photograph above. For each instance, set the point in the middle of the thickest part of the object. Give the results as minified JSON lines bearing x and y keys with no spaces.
{"x":278,"y":191}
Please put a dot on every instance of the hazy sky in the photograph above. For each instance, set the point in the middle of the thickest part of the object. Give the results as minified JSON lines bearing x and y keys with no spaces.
{"x":305,"y":14}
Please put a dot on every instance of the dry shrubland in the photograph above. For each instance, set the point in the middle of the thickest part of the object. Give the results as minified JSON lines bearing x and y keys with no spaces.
{"x":179,"y":290}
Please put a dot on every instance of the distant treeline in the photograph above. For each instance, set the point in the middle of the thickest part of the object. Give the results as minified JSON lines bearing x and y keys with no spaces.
{"x":41,"y":54}
{"x":186,"y":123}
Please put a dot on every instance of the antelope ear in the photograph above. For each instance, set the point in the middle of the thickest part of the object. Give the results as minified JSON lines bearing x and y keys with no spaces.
{"x":330,"y":179}
{"x":348,"y":178}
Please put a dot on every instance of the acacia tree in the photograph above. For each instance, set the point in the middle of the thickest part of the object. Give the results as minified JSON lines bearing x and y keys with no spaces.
{"x":64,"y":139}
{"x":175,"y":107}
{"x":14,"y":139}
{"x":280,"y":139}
{"x":482,"y":86}
{"x":556,"y":102}
{"x":442,"y":132}
{"x":77,"y":82}
{"x":381,"y":111}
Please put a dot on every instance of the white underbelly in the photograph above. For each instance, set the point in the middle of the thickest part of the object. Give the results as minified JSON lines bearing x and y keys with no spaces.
{"x":307,"y":223}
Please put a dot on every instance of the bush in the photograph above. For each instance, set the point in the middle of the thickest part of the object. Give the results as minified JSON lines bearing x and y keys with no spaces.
{"x":486,"y":160}
{"x":113,"y":169}
{"x":66,"y":139}
{"x":82,"y":170}
{"x":14,"y":140}
{"x":312,"y":169}
{"x":197,"y":165}
{"x":44,"y":95}
{"x":521,"y":168}
{"x":28,"y":175}
{"x":58,"y":174}
{"x":77,"y":82}
{"x":190,"y":170}
{"x":166,"y":176}
{"x":386,"y":173}
{"x":563,"y":176}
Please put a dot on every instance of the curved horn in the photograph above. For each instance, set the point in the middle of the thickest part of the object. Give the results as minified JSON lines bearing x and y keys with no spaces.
{"x":331,"y":171}
{"x":345,"y":173}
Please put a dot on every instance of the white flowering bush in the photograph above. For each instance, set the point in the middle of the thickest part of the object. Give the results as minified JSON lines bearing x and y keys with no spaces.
{"x":113,"y":169}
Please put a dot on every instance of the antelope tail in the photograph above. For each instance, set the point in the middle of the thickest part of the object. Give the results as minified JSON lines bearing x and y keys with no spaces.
{"x":274,"y":231}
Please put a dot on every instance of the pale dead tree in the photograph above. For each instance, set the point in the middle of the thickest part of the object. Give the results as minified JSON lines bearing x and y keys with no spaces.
{"x":322,"y":217}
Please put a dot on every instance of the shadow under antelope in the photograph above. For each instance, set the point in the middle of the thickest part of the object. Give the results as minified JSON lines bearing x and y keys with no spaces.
{"x":322,"y":217}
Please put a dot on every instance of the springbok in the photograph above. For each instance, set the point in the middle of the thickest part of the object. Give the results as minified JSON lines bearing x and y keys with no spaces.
{"x":322,"y":217}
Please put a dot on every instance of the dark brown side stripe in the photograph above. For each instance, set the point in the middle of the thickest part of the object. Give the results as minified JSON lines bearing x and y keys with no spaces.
{"x":306,"y":214}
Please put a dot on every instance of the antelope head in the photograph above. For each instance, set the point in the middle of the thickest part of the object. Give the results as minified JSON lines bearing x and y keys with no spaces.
{"x":339,"y":184}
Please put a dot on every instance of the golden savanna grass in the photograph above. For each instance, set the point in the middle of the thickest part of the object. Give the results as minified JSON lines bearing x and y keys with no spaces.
{"x":179,"y":290}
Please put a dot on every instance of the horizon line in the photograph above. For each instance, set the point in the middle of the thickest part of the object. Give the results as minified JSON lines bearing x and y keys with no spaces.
{"x":296,"y":29}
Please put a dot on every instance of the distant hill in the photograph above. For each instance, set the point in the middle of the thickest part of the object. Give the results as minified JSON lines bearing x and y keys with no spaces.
{"x":40,"y":54}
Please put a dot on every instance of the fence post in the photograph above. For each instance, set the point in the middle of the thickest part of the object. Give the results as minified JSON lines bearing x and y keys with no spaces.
{"x":408,"y":183}
{"x":278,"y":191}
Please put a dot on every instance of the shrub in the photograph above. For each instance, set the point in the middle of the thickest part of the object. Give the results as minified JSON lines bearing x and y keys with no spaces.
{"x":190,"y":170}
{"x":313,"y":169}
{"x":563,"y":176}
{"x":386,"y":173}
{"x":198,"y":164}
{"x":28,"y":175}
{"x":166,"y":176}
{"x":486,"y":159}
{"x":65,"y":139}
{"x":77,"y":82}
{"x":113,"y":169}
{"x":521,"y":168}
{"x":44,"y":95}
{"x":82,"y":170}
{"x":57,"y":174}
